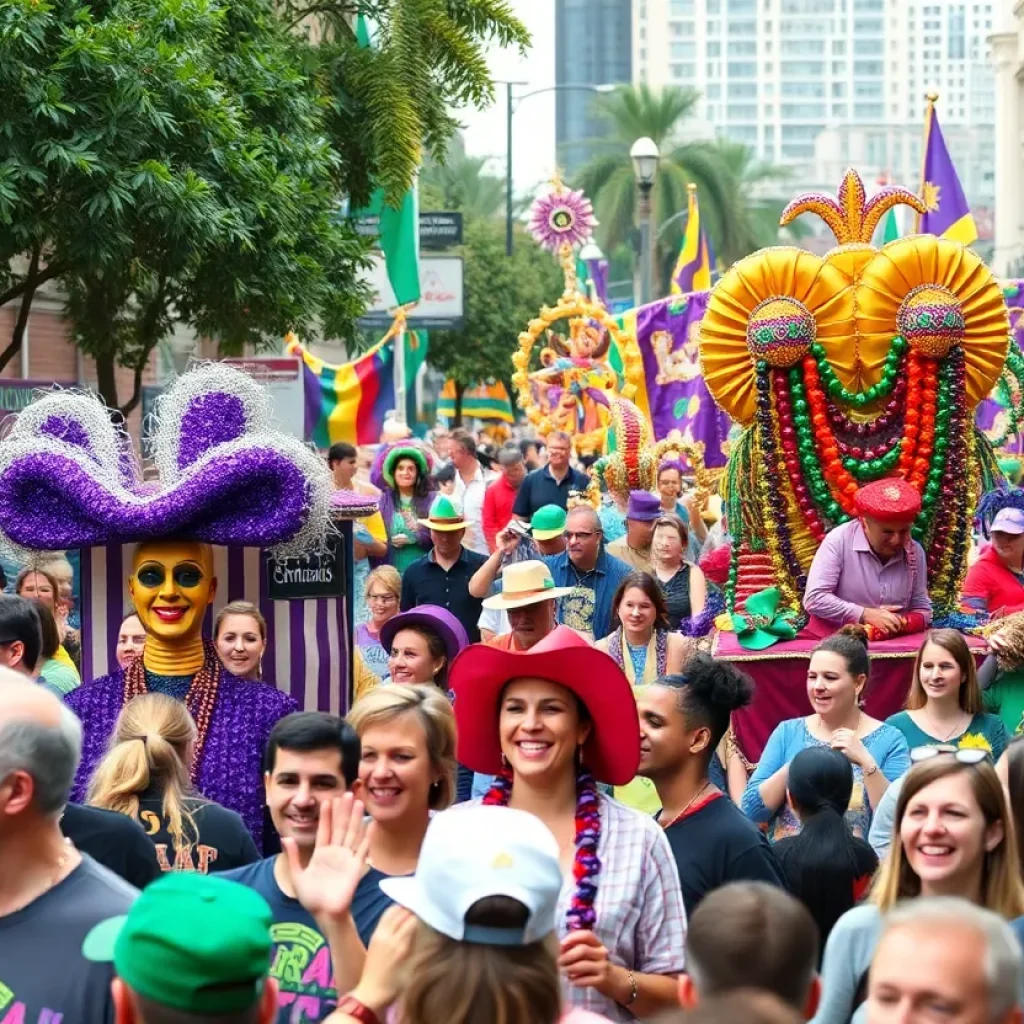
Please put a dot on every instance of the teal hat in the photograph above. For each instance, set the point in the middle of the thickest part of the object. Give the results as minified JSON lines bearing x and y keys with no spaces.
{"x":190,"y":942}
{"x":547,"y":522}
{"x":403,"y":451}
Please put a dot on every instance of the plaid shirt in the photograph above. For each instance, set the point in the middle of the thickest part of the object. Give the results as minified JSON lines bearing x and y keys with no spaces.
{"x":641,"y":920}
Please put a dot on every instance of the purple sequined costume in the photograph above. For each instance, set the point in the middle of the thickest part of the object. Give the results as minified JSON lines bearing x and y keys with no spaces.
{"x":231,"y":770}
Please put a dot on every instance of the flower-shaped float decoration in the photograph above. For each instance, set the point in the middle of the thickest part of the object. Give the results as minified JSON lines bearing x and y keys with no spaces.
{"x":864,"y":364}
{"x":574,"y":388}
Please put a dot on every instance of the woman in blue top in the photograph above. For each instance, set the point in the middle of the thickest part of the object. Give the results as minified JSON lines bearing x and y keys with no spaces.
{"x":945,"y":703}
{"x":836,"y":677}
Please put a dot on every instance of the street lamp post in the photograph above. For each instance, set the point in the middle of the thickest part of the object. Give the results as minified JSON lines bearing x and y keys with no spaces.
{"x":644,"y":154}
{"x":510,"y":109}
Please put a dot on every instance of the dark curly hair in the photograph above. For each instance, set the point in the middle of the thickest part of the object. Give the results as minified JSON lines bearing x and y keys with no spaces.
{"x":708,"y":692}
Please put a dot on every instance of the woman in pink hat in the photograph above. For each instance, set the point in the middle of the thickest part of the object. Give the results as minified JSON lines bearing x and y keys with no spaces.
{"x":551,"y":723}
{"x":995,"y":583}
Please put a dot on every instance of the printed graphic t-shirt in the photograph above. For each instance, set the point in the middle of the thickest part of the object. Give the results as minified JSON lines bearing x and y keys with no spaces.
{"x":301,"y":960}
{"x":43,"y":975}
{"x":224,"y":841}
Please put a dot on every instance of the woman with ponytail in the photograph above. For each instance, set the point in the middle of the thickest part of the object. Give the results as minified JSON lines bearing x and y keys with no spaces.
{"x":145,"y":775}
{"x":826,"y":866}
{"x":551,"y":723}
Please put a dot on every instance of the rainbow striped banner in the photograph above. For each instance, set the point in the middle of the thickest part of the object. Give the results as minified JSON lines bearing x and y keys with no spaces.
{"x":350,"y":402}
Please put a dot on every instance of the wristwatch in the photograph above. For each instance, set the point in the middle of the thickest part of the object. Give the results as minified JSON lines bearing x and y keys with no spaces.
{"x":350,"y":1005}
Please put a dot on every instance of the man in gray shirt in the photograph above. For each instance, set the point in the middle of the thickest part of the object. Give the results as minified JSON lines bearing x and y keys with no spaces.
{"x":51,"y":895}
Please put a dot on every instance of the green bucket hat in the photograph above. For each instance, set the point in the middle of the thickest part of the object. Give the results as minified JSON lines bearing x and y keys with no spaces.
{"x":190,"y":942}
{"x":547,"y":522}
{"x":763,"y":624}
{"x":405,"y":451}
{"x":443,"y":516}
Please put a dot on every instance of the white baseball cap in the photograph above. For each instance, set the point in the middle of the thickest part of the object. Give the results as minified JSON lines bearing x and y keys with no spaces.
{"x":469,"y":855}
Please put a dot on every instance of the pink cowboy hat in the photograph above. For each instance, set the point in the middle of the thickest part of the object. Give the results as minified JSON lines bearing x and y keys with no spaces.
{"x":612,"y":751}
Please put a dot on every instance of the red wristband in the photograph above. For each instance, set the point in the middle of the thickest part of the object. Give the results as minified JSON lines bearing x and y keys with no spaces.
{"x":362,"y":1013}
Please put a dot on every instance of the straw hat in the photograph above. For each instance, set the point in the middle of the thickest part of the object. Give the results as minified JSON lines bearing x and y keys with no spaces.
{"x":525,"y":583}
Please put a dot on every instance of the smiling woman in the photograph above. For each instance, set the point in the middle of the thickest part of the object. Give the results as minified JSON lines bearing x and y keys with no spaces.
{"x":836,"y":678}
{"x":240,"y":633}
{"x":945,"y":703}
{"x":406,"y":769}
{"x":954,"y":839}
{"x":551,"y":723}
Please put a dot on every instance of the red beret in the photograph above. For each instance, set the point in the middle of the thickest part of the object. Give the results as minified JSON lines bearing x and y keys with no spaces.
{"x":891,"y":500}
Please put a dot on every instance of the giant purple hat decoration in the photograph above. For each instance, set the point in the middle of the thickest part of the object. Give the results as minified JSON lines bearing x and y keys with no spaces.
{"x":68,"y":478}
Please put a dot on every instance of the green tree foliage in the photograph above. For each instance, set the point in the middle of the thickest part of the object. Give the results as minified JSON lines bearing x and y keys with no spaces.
{"x":730,"y":182}
{"x":390,"y":101}
{"x":502,"y":296}
{"x":460,"y":183}
{"x":185,"y":160}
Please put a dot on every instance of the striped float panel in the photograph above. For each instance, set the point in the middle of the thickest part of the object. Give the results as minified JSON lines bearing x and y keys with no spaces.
{"x":308,"y":642}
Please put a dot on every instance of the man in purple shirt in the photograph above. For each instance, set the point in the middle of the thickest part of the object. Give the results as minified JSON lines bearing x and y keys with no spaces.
{"x":869,"y":570}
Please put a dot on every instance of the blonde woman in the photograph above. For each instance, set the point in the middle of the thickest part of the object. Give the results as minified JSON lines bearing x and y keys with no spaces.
{"x":145,"y":776}
{"x":383,"y":592}
{"x":953,"y":837}
{"x":406,"y":773}
{"x":240,"y":635}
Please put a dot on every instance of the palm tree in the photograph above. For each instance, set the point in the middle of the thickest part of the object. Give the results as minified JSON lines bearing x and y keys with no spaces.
{"x":461,"y":183}
{"x":731,"y":182}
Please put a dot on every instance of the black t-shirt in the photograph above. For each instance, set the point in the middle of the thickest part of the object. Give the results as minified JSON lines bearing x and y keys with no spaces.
{"x":113,"y":840}
{"x":301,"y":960}
{"x":43,"y":975}
{"x":426,"y":582}
{"x":224,"y":841}
{"x":717,"y":844}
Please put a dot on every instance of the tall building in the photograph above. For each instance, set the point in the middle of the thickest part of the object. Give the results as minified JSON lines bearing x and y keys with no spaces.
{"x":592,"y":47}
{"x":1008,"y":64}
{"x":822,"y":84}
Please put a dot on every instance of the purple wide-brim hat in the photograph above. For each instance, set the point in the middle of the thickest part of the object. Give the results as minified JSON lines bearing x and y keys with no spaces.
{"x":68,"y":478}
{"x":432,"y":617}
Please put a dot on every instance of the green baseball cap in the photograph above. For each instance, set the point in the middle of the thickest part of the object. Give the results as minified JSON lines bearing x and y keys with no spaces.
{"x":190,"y":942}
{"x":547,"y":522}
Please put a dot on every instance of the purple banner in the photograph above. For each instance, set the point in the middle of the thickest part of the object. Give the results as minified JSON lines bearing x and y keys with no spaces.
{"x":668,"y":333}
{"x":990,"y":415}
{"x":598,"y":271}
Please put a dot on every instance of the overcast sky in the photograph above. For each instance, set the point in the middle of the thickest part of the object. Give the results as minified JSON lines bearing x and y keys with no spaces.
{"x":533,"y":126}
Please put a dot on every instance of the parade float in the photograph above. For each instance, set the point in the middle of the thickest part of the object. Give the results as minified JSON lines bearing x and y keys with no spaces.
{"x":862,"y":364}
{"x":279,"y":535}
{"x":571,"y":385}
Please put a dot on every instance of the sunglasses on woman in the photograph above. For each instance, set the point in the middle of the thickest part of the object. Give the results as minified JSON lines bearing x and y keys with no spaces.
{"x":965,"y":755}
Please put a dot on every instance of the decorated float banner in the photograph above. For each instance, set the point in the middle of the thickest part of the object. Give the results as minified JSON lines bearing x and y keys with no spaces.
{"x":349,"y":402}
{"x":488,"y":401}
{"x":674,"y":392}
{"x":306,"y":647}
{"x":993,"y":414}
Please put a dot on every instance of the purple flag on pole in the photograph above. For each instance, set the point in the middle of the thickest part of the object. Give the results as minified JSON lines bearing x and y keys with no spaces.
{"x":597,"y":270}
{"x":668,"y":333}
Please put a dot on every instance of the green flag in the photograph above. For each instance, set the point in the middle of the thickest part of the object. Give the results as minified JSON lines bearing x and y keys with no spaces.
{"x":892,"y":229}
{"x":398,"y":229}
{"x":399,"y":242}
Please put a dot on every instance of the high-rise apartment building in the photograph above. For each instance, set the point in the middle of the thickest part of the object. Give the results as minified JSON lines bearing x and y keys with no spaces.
{"x":822,"y":84}
{"x":592,"y":47}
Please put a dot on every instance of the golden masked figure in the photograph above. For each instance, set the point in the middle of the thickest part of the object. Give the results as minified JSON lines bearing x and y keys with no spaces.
{"x":172,"y":585}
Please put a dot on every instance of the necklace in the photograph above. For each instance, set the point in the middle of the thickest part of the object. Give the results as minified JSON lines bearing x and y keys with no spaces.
{"x":200,"y":698}
{"x":958,"y":727}
{"x":689,"y":804}
{"x":58,"y":874}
